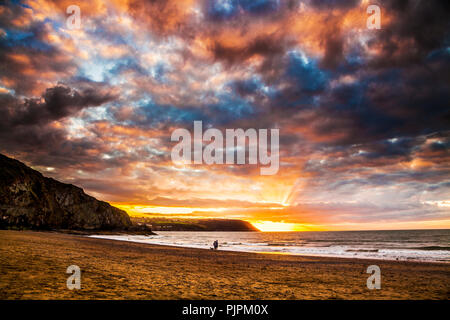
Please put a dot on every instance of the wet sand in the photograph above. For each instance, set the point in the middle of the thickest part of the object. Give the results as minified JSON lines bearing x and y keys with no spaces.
{"x":33,"y":266}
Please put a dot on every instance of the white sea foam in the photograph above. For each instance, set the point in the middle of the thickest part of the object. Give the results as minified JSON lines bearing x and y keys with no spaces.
{"x":410,"y":245}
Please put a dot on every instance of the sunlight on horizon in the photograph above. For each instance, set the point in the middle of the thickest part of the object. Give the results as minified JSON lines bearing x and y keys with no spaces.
{"x":267,"y":225}
{"x":270,"y":226}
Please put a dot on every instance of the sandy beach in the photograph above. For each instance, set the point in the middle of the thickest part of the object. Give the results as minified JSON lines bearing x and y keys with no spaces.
{"x":33,"y":266}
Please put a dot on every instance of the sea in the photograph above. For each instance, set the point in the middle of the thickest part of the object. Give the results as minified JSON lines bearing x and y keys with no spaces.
{"x":403,"y":245}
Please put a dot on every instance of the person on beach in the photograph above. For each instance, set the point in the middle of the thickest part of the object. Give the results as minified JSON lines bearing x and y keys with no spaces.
{"x":216,"y":244}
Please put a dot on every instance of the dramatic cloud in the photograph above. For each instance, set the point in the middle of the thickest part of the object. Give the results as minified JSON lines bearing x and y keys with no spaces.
{"x":364,"y":115}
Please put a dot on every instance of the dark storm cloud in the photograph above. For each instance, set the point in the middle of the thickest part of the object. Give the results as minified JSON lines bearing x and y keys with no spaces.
{"x":334,"y":51}
{"x":388,"y":104}
{"x":48,"y":147}
{"x":246,"y":87}
{"x":26,"y":126}
{"x":394,"y":148}
{"x":418,"y":28}
{"x":56,"y":103}
{"x":333,"y":4}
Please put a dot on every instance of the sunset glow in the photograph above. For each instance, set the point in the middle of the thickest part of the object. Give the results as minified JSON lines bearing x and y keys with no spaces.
{"x":270,"y":226}
{"x":362,"y":113}
{"x":136,"y":210}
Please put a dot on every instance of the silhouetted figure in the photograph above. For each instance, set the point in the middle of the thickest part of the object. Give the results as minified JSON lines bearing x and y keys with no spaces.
{"x":216,"y":244}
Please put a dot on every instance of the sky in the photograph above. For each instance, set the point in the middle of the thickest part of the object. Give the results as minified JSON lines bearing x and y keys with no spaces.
{"x":363,"y":114}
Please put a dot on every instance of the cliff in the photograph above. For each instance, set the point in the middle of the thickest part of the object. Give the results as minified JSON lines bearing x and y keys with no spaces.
{"x":30,"y":200}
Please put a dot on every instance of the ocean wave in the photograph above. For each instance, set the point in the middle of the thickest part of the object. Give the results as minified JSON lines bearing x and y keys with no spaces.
{"x":351,"y":245}
{"x":278,"y":244}
{"x":432,"y":248}
{"x":361,"y":250}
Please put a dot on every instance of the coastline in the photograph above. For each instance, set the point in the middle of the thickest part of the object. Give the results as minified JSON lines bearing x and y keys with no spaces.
{"x":33,"y":266}
{"x":239,"y":242}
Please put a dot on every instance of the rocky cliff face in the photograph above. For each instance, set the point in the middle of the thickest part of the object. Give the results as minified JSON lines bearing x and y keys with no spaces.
{"x":30,"y":200}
